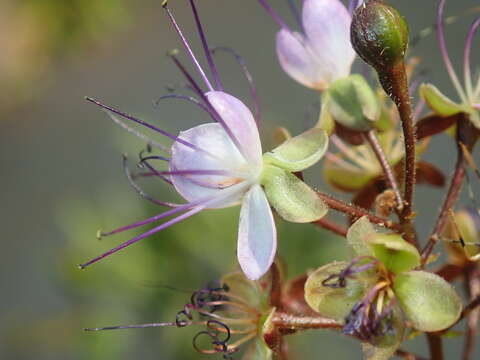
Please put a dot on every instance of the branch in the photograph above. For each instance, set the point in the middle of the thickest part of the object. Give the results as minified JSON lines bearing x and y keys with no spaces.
{"x":331,"y":226}
{"x":467,"y":136}
{"x":357,"y":212}
{"x":435,"y":346}
{"x":288,"y":322}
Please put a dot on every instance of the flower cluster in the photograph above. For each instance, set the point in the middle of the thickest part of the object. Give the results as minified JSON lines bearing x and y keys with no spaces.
{"x":386,"y":290}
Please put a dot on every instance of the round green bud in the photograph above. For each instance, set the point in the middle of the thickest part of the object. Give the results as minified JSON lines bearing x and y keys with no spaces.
{"x":379,"y":34}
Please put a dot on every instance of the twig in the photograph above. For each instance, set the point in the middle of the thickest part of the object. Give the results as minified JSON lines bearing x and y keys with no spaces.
{"x":465,"y":135}
{"x":435,"y":346}
{"x":387,"y":169}
{"x":331,"y":226}
{"x":357,"y":212}
{"x":285,"y":321}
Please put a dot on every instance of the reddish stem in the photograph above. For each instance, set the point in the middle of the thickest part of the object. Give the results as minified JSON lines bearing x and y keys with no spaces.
{"x":357,"y":212}
{"x":288,"y":322}
{"x":435,"y":346}
{"x":331,"y":226}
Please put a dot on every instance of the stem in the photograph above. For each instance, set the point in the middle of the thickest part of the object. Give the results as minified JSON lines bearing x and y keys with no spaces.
{"x":395,"y":84}
{"x":473,"y":290}
{"x":285,"y":321}
{"x":331,"y":226}
{"x":357,"y":212}
{"x":387,"y":169}
{"x":465,"y":135}
{"x":435,"y":346}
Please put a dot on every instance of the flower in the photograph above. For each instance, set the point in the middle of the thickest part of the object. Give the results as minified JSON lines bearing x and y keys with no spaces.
{"x":380,"y":286}
{"x":469,"y":94}
{"x":220,"y":164}
{"x":322,"y":52}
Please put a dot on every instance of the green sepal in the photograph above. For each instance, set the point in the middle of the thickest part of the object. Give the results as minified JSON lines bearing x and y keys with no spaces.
{"x":357,"y":235}
{"x":353,"y":103}
{"x":396,"y":254}
{"x":429,"y":302}
{"x":299,"y":152}
{"x":292,"y":199}
{"x":334,"y":303}
{"x":325,"y":120}
{"x":248,"y":290}
{"x":384,"y":347}
{"x":438,"y":102}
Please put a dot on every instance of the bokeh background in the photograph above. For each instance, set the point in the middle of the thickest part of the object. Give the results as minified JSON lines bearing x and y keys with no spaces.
{"x":61,"y":171}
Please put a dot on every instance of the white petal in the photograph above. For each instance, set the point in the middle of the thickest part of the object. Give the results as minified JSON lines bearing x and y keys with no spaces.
{"x":241,"y":122}
{"x":225,"y":156}
{"x":297,"y":60}
{"x":257,"y":235}
{"x":327,"y":27}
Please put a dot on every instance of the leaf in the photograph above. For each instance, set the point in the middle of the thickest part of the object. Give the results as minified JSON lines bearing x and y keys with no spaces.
{"x":429,"y":174}
{"x":292,"y":199}
{"x":353,"y":103}
{"x":394,"y":252}
{"x":299,"y":152}
{"x":438,"y":102}
{"x":428,"y":301}
{"x":357,"y":235}
{"x":334,"y":303}
{"x":435,"y":124}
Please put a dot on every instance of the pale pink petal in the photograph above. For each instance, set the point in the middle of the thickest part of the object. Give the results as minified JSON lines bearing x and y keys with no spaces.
{"x":327,"y":27}
{"x":241,"y":123}
{"x":224,"y":156}
{"x":257,"y":235}
{"x":297,"y":60}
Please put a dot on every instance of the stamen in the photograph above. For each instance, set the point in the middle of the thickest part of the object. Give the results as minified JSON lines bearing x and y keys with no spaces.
{"x":144,"y":235}
{"x":124,"y":126}
{"x":211,"y":63}
{"x":337,"y":160}
{"x":187,"y":46}
{"x":275,"y":17}
{"x":352,"y":153}
{"x":248,"y":76}
{"x":141,"y":122}
{"x":216,"y":115}
{"x":234,"y":346}
{"x":466,"y":59}
{"x":444,"y":51}
{"x":184,"y":97}
{"x":295,"y":12}
{"x":232,"y":304}
{"x":139,"y":190}
{"x":136,"y":326}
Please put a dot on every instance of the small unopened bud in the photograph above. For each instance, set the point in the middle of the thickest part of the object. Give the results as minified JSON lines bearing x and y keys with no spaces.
{"x":379,"y":34}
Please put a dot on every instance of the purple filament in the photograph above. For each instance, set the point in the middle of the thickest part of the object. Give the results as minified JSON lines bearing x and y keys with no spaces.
{"x":211,"y":63}
{"x":165,"y":225}
{"x":187,"y":98}
{"x":248,"y":76}
{"x":275,"y":17}
{"x":187,"y":47}
{"x":141,"y":122}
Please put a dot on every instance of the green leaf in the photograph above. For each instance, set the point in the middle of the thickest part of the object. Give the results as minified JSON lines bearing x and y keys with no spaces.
{"x":299,"y":152}
{"x":325,"y":120}
{"x":428,"y":301}
{"x":439,"y":103}
{"x":353,"y":103}
{"x":334,"y":303}
{"x":394,"y":252}
{"x":357,"y":235}
{"x":292,"y":199}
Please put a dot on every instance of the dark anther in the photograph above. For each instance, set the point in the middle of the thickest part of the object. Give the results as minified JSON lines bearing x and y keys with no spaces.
{"x":335,"y":281}
{"x":214,"y":325}
{"x":184,"y":316}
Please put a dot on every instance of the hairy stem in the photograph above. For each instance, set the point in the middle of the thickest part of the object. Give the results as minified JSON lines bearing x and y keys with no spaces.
{"x":288,"y":322}
{"x":357,"y":212}
{"x":472,"y":282}
{"x":395,"y":84}
{"x":387,"y":169}
{"x":435,"y":346}
{"x":467,"y":136}
{"x":331,"y":226}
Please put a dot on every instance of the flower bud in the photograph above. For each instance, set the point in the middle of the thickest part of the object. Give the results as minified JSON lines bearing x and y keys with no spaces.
{"x":379,"y":34}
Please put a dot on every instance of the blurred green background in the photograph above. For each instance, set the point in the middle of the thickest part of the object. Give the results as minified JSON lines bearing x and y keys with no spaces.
{"x":61,"y":175}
